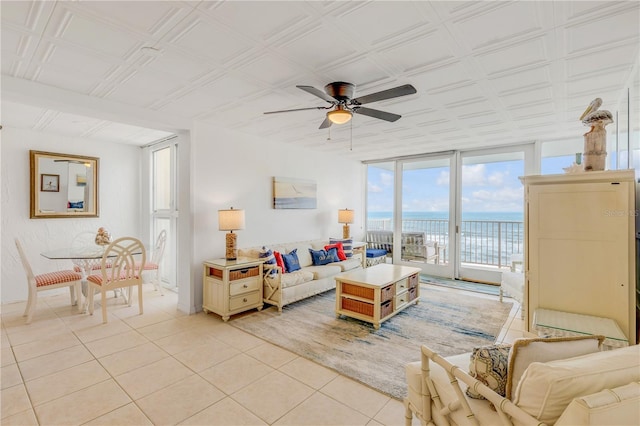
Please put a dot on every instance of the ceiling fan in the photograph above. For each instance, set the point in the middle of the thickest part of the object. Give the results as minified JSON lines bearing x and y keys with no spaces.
{"x":342,"y":104}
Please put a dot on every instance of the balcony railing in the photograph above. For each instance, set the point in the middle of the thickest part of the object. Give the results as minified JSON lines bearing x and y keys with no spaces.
{"x":482,"y":242}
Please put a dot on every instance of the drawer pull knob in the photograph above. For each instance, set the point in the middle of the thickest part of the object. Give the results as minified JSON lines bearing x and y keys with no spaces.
{"x":245,"y":286}
{"x":244,"y":300}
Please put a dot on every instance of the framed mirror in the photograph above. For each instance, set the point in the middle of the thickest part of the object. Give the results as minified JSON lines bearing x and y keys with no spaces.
{"x":63,"y":185}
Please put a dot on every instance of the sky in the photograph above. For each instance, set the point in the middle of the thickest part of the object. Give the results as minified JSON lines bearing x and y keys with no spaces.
{"x":486,"y":187}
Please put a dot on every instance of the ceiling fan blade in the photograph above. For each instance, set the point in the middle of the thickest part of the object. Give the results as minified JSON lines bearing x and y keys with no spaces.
{"x":296,"y":109}
{"x":375,"y":113}
{"x":317,"y":92}
{"x":326,"y":123}
{"x":407,"y":89}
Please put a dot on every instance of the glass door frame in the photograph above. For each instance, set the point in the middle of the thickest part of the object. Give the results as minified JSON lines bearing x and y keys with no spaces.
{"x":442,"y":270}
{"x":529,"y":163}
{"x":169,"y":275}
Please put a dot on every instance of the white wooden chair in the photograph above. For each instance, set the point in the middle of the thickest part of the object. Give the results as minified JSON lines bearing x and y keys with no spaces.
{"x":48,"y":281}
{"x":156,"y":261}
{"x":121,"y":267}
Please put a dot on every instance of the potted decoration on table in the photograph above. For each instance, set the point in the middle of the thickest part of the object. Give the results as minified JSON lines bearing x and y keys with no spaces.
{"x":595,"y":140}
{"x":103,"y":237}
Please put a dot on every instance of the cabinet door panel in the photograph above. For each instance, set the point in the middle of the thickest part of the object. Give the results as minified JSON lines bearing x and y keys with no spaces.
{"x":578,"y":249}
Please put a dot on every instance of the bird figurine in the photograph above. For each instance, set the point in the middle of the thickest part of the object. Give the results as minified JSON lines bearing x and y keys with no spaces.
{"x":593,"y":106}
{"x":594,"y":117}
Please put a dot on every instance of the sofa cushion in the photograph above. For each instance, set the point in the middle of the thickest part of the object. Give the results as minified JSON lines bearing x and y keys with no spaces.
{"x":347,"y":245}
{"x":321,"y":257}
{"x":546,"y":389}
{"x":304,"y":257}
{"x":524,"y":351}
{"x":349,"y":264}
{"x":296,"y":277}
{"x":324,"y":271}
{"x":488,"y":364}
{"x":339,"y":248}
{"x":291,"y":261}
{"x":613,"y":407}
{"x":376,"y":252}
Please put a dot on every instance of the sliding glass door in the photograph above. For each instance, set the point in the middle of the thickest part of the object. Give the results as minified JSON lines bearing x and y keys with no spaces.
{"x":425,"y":211}
{"x":456,"y":214}
{"x":490,"y":213}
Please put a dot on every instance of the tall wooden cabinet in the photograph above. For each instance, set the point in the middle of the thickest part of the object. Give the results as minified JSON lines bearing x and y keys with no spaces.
{"x":580,"y":245}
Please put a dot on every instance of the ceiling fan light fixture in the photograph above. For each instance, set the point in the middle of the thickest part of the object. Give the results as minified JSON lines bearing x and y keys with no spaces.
{"x":339,"y":115}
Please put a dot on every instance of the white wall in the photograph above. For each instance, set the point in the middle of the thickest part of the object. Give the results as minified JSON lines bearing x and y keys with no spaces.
{"x":235,"y":170}
{"x":119,"y":182}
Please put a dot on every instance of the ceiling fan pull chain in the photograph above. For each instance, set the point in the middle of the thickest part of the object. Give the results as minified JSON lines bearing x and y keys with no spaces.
{"x":329,"y":138}
{"x":351,"y":136}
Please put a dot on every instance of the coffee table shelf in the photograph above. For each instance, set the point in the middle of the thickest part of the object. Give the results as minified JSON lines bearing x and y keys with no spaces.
{"x":377,"y":293}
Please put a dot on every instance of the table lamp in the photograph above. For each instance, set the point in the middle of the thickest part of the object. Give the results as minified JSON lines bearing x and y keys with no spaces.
{"x":231,"y":220}
{"x":345,"y":216}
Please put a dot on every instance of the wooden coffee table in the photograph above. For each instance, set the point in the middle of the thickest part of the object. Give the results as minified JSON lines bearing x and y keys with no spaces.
{"x":377,"y":293}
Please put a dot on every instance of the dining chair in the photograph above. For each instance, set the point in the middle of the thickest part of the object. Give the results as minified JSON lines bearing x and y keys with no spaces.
{"x":156,"y":260}
{"x":48,"y":281}
{"x":121,"y":268}
{"x":80,"y":243}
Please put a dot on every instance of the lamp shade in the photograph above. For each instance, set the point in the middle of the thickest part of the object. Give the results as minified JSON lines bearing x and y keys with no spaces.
{"x":230,"y":220}
{"x":339,"y":115}
{"x":345,"y":216}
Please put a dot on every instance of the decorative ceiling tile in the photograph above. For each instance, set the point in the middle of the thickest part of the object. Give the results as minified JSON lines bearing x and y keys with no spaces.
{"x":498,"y":24}
{"x":421,"y":51}
{"x":602,"y":31}
{"x":364,"y":21}
{"x":523,"y":54}
{"x":518,"y":81}
{"x":316,"y":47}
{"x":91,"y":34}
{"x":210,"y":41}
{"x":596,"y":61}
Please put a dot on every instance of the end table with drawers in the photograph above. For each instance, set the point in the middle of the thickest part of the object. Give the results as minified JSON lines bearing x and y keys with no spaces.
{"x":231,"y":286}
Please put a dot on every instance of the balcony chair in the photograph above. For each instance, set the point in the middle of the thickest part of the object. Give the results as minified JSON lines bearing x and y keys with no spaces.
{"x":156,"y":260}
{"x":48,"y":281}
{"x":119,"y":270}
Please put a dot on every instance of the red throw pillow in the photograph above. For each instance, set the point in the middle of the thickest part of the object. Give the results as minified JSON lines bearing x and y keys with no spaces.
{"x":279,"y":261}
{"x":340,"y":249}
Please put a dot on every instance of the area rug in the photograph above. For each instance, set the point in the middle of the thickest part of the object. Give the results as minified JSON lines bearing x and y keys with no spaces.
{"x":448,"y":323}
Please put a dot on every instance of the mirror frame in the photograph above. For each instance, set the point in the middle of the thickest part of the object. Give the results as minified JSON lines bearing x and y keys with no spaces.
{"x":35,"y":212}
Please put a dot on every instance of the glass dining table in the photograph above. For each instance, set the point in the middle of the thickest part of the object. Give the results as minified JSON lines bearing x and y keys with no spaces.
{"x":87,"y":259}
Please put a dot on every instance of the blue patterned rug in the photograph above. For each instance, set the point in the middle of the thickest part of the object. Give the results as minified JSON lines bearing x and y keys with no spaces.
{"x":448,"y":323}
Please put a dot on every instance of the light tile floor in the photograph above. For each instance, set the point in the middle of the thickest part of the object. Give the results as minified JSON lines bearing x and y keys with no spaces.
{"x":165,"y":367}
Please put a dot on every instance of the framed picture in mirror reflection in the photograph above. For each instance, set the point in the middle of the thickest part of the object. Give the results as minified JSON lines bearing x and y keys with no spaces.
{"x":49,"y":183}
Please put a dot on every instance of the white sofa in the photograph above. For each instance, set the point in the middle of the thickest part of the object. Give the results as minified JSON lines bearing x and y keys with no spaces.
{"x":599,"y":388}
{"x":280,"y":288}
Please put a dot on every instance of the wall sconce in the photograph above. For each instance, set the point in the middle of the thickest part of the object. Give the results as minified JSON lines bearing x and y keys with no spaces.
{"x":345,"y":216}
{"x":231,"y":220}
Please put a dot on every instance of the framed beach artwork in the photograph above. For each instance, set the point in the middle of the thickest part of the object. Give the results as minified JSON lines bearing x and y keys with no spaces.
{"x":290,"y":193}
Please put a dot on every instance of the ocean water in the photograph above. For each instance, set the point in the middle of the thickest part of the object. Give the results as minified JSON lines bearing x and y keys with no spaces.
{"x":499,"y":216}
{"x":487,"y":238}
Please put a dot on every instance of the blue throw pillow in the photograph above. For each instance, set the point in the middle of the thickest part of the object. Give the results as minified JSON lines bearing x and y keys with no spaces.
{"x":333,"y":254}
{"x":347,"y":245}
{"x":291,"y":261}
{"x":321,"y":257}
{"x":269,"y":258}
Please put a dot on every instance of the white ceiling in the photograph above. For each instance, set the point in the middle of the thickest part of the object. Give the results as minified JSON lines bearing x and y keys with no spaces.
{"x":487,"y":73}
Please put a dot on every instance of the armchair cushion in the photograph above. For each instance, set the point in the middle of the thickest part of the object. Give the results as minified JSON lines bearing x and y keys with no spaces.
{"x":524,"y":351}
{"x":546,"y":389}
